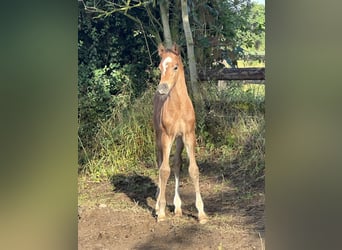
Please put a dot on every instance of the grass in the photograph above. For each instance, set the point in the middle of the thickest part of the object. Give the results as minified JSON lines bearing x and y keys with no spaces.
{"x":233,"y":130}
{"x":246,"y":64}
{"x":125,"y":142}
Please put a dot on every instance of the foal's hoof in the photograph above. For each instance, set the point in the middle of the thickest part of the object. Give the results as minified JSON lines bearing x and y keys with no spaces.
{"x":178,"y":213}
{"x":203,"y":219}
{"x":161,"y":218}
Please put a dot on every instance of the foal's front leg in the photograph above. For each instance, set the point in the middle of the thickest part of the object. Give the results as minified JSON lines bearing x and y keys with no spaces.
{"x":164,"y":173}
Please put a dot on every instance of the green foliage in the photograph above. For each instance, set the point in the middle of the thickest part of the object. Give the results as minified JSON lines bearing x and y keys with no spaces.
{"x":219,"y":28}
{"x":98,"y":101}
{"x":125,"y":141}
{"x":226,"y":29}
{"x":233,"y":130}
{"x":252,"y":36}
{"x":108,"y":80}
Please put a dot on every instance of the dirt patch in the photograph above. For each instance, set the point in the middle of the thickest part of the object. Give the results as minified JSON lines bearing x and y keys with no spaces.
{"x":119,"y":214}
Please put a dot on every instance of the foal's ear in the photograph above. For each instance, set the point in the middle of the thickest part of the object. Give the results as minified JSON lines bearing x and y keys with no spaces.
{"x":175,"y":48}
{"x":161,"y":49}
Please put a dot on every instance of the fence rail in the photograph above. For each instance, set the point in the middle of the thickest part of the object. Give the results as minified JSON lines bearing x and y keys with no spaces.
{"x":233,"y":74}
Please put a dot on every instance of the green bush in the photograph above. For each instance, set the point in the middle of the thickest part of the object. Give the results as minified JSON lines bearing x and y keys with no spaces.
{"x":98,"y":101}
{"x":114,"y":68}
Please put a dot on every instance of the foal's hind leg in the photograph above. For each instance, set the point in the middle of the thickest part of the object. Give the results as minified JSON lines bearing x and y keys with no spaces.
{"x":176,"y":169}
{"x":189,"y":140}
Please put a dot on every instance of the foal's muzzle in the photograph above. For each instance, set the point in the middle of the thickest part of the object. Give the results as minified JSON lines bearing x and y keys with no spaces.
{"x":163,"y":89}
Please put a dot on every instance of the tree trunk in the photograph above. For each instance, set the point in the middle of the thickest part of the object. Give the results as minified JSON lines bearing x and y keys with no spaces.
{"x":191,"y":53}
{"x":164,"y":13}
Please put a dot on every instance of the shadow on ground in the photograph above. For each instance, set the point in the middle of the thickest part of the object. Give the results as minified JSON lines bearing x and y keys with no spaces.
{"x":222,"y":194}
{"x":236,"y":196}
{"x":140,"y":189}
{"x":137,"y":187}
{"x":178,"y":238}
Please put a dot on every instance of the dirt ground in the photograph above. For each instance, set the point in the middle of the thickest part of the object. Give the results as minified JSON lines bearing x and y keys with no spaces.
{"x":119,"y":214}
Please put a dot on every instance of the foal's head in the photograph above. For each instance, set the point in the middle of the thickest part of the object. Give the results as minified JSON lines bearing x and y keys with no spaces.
{"x":170,"y":66}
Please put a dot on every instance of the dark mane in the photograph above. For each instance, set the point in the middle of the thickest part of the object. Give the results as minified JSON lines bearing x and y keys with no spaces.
{"x":158,"y":102}
{"x":171,"y":51}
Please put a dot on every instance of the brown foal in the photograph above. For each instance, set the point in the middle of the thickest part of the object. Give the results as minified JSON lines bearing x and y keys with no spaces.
{"x":174,"y":119}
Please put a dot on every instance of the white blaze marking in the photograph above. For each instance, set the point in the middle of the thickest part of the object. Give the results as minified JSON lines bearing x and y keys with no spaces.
{"x":166,"y":61}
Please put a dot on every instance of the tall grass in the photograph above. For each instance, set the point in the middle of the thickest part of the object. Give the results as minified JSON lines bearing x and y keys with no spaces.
{"x":230,"y":133}
{"x":125,"y":142}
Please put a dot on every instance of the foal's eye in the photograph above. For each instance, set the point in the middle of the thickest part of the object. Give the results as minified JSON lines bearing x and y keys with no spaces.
{"x":175,"y":68}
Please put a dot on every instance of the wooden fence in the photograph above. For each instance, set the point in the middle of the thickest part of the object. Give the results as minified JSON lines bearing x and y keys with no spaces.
{"x":233,"y":74}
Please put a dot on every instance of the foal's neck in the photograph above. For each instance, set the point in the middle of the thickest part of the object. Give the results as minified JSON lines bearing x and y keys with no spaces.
{"x":180,"y":86}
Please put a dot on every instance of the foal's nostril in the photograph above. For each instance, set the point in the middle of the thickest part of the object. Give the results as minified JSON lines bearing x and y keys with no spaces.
{"x":163,"y":89}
